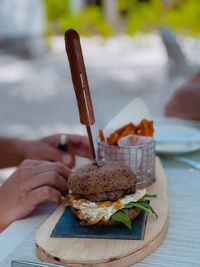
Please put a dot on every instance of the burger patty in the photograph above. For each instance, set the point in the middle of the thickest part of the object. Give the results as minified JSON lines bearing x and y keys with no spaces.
{"x":132,"y":213}
{"x":109,"y":195}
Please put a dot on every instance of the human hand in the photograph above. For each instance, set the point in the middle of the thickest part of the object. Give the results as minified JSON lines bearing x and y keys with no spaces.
{"x":34,"y":182}
{"x":185,"y":101}
{"x":47,"y":149}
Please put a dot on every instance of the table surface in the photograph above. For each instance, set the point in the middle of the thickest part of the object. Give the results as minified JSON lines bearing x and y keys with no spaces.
{"x":181,"y":246}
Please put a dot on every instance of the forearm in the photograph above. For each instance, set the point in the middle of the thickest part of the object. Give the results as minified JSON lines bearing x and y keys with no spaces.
{"x":11,"y":152}
{"x":4,"y":220}
{"x":185,"y":102}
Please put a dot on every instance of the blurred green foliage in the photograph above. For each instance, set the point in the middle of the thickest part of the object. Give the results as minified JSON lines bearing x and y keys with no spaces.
{"x":181,"y":16}
{"x":87,"y":21}
{"x":142,"y":16}
{"x":134,"y":16}
{"x":185,"y":17}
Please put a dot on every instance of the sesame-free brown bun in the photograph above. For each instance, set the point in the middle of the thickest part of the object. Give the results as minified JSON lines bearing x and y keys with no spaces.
{"x":109,"y":181}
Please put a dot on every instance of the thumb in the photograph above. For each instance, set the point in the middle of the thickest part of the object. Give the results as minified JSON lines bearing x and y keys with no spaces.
{"x":68,"y":160}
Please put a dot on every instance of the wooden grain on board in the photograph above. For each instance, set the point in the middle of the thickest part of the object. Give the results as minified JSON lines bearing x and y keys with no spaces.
{"x":105,"y":252}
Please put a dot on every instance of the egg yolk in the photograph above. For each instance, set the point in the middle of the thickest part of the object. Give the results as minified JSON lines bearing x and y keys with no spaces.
{"x":105,"y":203}
{"x":118,"y":205}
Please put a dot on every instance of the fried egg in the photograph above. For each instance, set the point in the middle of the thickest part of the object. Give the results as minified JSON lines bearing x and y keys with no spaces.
{"x":94,"y":212}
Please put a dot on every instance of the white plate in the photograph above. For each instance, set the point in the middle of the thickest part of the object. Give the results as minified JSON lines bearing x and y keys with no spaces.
{"x":174,"y":138}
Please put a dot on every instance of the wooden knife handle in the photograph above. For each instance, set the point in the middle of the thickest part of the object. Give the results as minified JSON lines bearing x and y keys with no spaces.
{"x":79,"y":77}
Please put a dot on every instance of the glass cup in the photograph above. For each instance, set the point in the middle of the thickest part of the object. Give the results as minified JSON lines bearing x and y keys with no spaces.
{"x":139,"y":158}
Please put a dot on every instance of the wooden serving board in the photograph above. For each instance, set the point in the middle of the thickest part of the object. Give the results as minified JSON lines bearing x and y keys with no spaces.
{"x":106,"y":252}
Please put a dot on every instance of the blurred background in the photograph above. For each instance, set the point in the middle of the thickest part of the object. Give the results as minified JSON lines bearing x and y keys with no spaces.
{"x":132,"y":48}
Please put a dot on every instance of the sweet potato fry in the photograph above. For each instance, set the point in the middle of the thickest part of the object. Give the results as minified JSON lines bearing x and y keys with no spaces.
{"x":123,"y":128}
{"x":129,"y":130}
{"x":112,"y":139}
{"x":144,"y":128}
{"x":101,"y":136}
{"x":151,"y":129}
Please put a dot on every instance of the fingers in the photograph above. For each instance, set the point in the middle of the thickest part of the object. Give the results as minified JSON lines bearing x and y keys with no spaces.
{"x":76,"y":145}
{"x":44,"y":194}
{"x":79,"y":145}
{"x":50,"y":178}
{"x":34,"y":175}
{"x":30,"y":162}
{"x":57,"y":167}
{"x":68,"y":160}
{"x":52,"y":140}
{"x":33,"y":182}
{"x":50,"y":152}
{"x":53,"y":154}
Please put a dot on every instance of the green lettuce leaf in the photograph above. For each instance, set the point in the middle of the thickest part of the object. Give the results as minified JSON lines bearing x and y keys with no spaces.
{"x":147,"y":197}
{"x":149,"y":207}
{"x":122,"y":217}
{"x":143,"y":204}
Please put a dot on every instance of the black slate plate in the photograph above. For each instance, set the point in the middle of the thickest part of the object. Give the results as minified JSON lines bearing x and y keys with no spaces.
{"x":69,"y":226}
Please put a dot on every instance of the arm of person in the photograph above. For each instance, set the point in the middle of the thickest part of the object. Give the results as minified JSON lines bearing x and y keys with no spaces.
{"x":185,"y":101}
{"x":14,"y":150}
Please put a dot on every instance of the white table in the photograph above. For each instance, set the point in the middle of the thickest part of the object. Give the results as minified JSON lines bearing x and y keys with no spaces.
{"x":181,"y":246}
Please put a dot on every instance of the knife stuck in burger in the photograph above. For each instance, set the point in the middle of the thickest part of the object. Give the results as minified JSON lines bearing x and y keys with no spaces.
{"x":101,"y":193}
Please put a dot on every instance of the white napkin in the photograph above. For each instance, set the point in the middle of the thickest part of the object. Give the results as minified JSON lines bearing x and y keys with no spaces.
{"x":134,"y":112}
{"x":134,"y":140}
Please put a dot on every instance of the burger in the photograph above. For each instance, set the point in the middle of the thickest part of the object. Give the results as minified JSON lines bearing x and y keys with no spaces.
{"x":106,"y":194}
